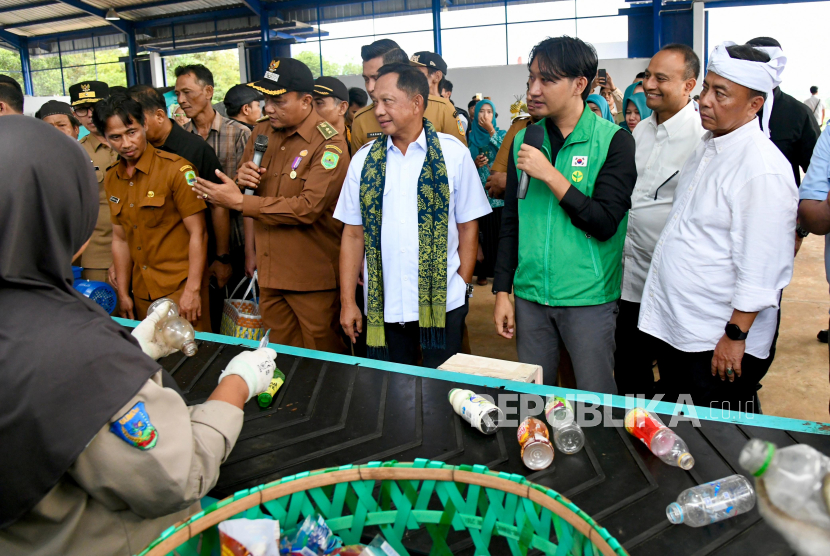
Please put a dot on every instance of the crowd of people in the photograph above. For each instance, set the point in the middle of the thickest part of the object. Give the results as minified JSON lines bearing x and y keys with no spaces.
{"x":644,"y":225}
{"x":630,"y":228}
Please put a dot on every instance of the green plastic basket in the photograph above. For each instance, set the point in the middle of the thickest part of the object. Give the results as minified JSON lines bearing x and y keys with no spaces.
{"x":473,"y":498}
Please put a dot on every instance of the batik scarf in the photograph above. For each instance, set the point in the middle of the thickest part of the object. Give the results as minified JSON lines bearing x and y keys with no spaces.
{"x":433,"y":219}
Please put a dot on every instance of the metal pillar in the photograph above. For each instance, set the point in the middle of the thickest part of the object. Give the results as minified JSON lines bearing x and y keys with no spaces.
{"x":656,"y":5}
{"x":26,"y":66}
{"x":243,"y":62}
{"x":132,"y":53}
{"x":265,"y":40}
{"x":699,"y":32}
{"x":156,"y":70}
{"x":436,"y":25}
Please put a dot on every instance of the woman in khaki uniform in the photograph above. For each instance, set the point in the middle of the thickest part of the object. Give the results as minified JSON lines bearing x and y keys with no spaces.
{"x":98,"y":456}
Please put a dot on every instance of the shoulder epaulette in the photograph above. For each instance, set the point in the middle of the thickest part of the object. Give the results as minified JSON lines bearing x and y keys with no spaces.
{"x":365,"y":109}
{"x":326,"y":130}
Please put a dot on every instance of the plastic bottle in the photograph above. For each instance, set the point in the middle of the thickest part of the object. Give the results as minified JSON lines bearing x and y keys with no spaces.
{"x":712,"y":502}
{"x":176,"y":331}
{"x":537,"y":451}
{"x":266,"y":398}
{"x":559,"y":412}
{"x":794,"y":477}
{"x":661,"y":440}
{"x":179,"y":333}
{"x":569,"y":439}
{"x":477,"y":411}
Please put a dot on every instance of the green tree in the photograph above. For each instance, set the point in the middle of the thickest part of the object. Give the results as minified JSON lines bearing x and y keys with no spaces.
{"x":223,"y":64}
{"x":10,"y":64}
{"x":312,"y":60}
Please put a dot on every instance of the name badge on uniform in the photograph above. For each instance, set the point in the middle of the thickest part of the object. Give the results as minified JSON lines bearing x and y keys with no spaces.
{"x":115,"y":199}
{"x":374,"y":134}
{"x":135,"y":428}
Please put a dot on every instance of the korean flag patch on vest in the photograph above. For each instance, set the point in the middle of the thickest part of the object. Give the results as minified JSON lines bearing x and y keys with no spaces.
{"x":580,"y":161}
{"x":135,"y":428}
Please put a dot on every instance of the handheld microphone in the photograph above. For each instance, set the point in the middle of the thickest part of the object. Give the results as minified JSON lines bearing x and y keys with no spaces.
{"x":534,"y":137}
{"x":260,"y":146}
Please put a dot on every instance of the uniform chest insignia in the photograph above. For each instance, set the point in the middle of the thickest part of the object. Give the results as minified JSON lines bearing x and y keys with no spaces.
{"x":135,"y":428}
{"x":576,"y":176}
{"x":151,"y":194}
{"x":303,"y":152}
{"x":579,"y":161}
{"x":326,"y":130}
{"x":374,"y":134}
{"x":115,"y":199}
{"x":335,"y":147}
{"x":329,"y":160}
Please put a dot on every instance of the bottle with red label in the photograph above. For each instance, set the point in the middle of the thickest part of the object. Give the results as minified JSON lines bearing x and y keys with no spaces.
{"x":534,"y":439}
{"x":661,"y":440}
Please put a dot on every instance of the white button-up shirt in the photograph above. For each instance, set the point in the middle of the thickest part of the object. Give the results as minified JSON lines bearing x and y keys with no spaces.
{"x":399,"y":236}
{"x":661,"y":152}
{"x":728,"y":244}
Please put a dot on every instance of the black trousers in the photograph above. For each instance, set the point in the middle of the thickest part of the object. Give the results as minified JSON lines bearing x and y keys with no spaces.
{"x":690,"y":373}
{"x":635,"y":353}
{"x":404,"y":340}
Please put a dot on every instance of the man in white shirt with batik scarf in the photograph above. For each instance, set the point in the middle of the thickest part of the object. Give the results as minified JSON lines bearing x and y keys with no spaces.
{"x":410,"y":202}
{"x":712,"y":292}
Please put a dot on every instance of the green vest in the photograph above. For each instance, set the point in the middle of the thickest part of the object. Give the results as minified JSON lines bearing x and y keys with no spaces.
{"x":559,"y":264}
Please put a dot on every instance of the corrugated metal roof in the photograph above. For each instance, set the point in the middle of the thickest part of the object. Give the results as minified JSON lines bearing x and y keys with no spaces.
{"x":177,"y":9}
{"x":33,"y":14}
{"x":71,"y":25}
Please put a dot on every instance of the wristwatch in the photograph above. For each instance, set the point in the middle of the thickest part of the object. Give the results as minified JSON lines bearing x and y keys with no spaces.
{"x":801,"y":232}
{"x":734,"y":332}
{"x":224,"y":259}
{"x":470,"y":288}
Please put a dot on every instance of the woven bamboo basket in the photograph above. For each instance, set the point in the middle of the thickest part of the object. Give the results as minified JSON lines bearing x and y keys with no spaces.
{"x":397,"y":498}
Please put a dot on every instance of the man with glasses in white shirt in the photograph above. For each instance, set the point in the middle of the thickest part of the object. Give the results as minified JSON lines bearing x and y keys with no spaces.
{"x":664,"y":142}
{"x":712,"y":292}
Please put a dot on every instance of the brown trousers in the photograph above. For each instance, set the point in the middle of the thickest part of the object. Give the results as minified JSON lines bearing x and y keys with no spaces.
{"x":308,"y":320}
{"x":202,"y":325}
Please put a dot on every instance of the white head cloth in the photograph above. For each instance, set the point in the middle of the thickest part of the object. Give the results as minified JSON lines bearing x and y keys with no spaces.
{"x":759,"y":76}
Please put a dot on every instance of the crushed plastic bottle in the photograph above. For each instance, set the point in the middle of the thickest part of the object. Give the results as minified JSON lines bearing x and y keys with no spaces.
{"x":176,"y":331}
{"x":795,"y":478}
{"x":479,"y":412}
{"x":661,"y":440}
{"x":712,"y":502}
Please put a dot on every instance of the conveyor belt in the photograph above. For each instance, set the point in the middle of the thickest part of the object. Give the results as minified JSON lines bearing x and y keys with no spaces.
{"x":332,"y":413}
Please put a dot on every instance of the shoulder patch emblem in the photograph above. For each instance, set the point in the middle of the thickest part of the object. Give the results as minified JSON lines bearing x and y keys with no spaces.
{"x":190,"y":176}
{"x":335,"y":147}
{"x":185,"y":167}
{"x":115,"y":199}
{"x":135,"y":428}
{"x":460,"y":125}
{"x":326,"y":130}
{"x":329,"y":160}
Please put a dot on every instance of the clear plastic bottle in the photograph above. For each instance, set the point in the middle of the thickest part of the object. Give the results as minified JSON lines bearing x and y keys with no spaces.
{"x":661,"y":440}
{"x":559,"y":412}
{"x":172,"y":311}
{"x":712,"y":502}
{"x":794,"y":478}
{"x":569,"y":439}
{"x":477,"y":411}
{"x":179,"y":333}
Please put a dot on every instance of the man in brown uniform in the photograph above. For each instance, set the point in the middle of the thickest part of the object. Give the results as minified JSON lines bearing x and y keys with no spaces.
{"x":497,"y":181}
{"x":365,"y":127}
{"x":97,"y":259}
{"x":159,"y":242}
{"x":297,"y":187}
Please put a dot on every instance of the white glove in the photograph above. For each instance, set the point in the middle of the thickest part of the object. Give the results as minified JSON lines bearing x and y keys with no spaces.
{"x":255,"y":367}
{"x":149,"y":336}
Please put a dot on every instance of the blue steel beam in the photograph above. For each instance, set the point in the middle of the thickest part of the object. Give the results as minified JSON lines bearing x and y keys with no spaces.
{"x":255,"y":6}
{"x":436,"y":25}
{"x":193,"y":18}
{"x":132,"y":52}
{"x":26,"y":67}
{"x":121,"y":25}
{"x":265,"y":41}
{"x":656,"y":5}
{"x":11,"y":38}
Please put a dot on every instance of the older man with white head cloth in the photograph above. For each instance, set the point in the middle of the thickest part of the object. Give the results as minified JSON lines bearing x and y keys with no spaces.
{"x":711,"y":296}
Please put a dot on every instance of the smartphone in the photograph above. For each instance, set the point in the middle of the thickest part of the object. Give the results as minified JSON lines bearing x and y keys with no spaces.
{"x":602,"y":76}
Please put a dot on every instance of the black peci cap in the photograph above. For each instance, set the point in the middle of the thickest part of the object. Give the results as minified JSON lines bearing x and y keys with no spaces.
{"x":429,"y":60}
{"x":52,"y":107}
{"x":326,"y":86}
{"x":240,"y":95}
{"x":285,"y":75}
{"x":88,"y":92}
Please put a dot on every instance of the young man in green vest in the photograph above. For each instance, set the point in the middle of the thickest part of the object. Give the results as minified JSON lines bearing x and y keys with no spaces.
{"x":561,"y":246}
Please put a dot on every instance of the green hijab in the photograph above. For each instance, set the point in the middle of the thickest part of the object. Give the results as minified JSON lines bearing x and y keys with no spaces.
{"x":639,"y":100}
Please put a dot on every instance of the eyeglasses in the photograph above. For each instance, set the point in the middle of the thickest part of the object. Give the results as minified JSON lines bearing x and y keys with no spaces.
{"x":83,"y":112}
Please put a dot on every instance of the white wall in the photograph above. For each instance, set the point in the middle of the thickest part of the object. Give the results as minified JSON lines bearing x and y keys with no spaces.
{"x":503,"y":83}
